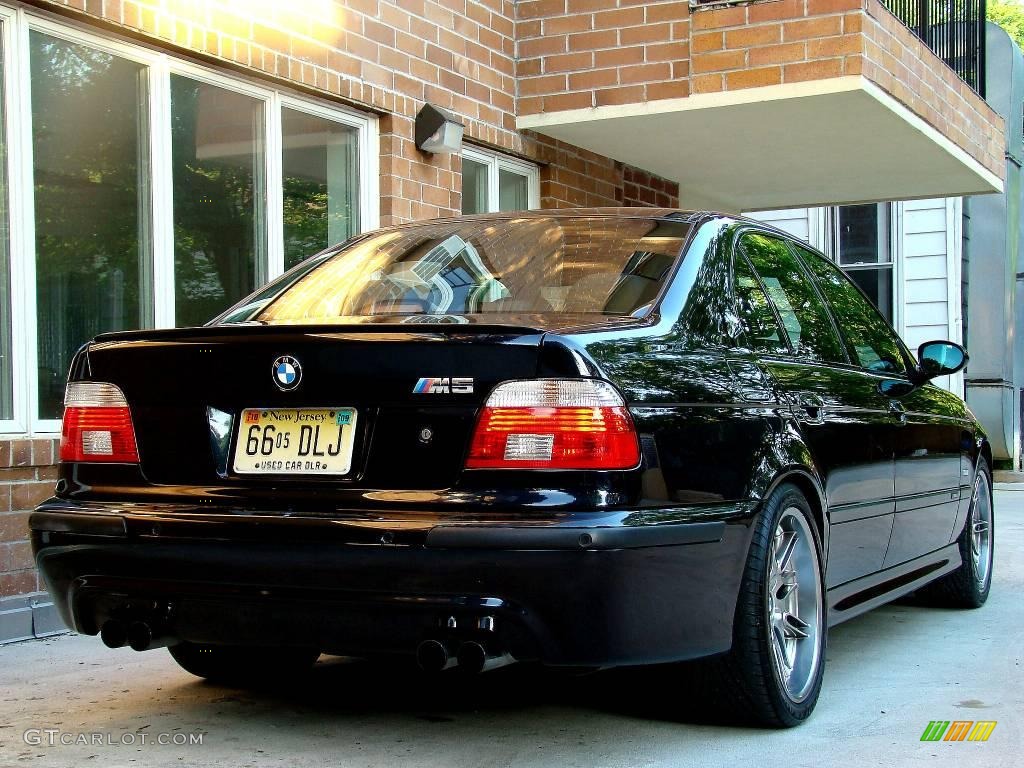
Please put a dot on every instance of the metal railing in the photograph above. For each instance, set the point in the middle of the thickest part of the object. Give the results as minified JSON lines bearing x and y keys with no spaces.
{"x":954,"y":29}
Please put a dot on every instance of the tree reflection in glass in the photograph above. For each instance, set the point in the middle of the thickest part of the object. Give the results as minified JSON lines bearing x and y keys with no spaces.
{"x":91,"y":223}
{"x":217,"y":149}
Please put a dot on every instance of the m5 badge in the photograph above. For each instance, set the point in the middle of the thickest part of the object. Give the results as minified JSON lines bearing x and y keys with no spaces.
{"x":445,"y":386}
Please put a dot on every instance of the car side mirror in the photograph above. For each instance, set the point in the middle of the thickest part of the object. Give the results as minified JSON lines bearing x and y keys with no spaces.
{"x":939,"y":358}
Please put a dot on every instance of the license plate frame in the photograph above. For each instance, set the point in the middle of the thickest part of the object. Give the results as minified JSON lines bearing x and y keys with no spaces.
{"x":302,"y":426}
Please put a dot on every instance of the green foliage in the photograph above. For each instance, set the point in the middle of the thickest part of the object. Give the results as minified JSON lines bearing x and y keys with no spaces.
{"x":305,"y":219}
{"x":1009,"y":15}
{"x":85,"y":142}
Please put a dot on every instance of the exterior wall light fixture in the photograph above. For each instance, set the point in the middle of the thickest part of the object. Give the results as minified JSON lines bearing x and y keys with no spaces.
{"x":438,"y":131}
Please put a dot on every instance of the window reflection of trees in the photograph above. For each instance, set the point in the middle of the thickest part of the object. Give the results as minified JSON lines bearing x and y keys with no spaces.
{"x":217,"y":158}
{"x":803,"y":315}
{"x":874,"y":345}
{"x":91,"y":245}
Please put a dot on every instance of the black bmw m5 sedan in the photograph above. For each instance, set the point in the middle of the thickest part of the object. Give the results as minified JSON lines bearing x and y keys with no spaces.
{"x":583,"y":438}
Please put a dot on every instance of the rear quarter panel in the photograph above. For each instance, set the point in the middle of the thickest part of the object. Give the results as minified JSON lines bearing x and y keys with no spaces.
{"x":713,"y":427}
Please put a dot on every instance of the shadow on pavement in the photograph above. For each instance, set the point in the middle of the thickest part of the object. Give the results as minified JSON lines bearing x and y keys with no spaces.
{"x":340,"y":686}
{"x":678,"y":693}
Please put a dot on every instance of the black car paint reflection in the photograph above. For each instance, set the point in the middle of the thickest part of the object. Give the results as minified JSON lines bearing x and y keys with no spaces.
{"x":886,"y":460}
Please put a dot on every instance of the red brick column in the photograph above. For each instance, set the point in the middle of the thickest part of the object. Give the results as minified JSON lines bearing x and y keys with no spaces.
{"x":27,"y":477}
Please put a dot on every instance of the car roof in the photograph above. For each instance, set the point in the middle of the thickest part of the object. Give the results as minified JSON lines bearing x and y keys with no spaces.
{"x":673,"y":214}
{"x":688,"y":216}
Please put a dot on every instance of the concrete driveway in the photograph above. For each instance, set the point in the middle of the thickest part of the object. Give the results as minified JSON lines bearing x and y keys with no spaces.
{"x":889,"y":673}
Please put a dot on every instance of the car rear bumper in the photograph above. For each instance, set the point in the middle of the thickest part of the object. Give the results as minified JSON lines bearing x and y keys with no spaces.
{"x":557,"y":591}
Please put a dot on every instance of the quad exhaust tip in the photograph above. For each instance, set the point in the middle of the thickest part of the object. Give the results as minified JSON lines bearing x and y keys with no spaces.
{"x":143,"y":636}
{"x":114,"y":634}
{"x":433,"y":656}
{"x":472,"y":658}
{"x":138,"y":635}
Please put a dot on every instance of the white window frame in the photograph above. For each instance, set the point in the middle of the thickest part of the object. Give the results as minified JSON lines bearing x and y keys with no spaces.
{"x":16,"y":24}
{"x":889,"y":230}
{"x":497,"y":162}
{"x":22,"y":382}
{"x":369,"y":167}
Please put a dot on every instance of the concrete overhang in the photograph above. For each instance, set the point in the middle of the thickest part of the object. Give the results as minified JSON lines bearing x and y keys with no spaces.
{"x":833,"y":141}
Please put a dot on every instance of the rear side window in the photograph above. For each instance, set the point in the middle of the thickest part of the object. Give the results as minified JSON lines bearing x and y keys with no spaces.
{"x":871,"y":340}
{"x":804,"y":317}
{"x":760,"y":326}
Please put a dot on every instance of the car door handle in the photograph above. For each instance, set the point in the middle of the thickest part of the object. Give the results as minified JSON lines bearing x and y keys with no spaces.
{"x":897,"y":409}
{"x":812,"y":409}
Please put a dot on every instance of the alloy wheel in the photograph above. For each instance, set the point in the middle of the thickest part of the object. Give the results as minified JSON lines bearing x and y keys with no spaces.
{"x":981,"y":529}
{"x":794,"y":604}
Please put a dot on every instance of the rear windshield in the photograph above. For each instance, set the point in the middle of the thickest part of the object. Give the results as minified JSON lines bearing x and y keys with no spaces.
{"x":580,"y":265}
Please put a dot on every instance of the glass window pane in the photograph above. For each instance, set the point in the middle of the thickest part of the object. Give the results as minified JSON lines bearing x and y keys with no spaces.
{"x":803,"y":315}
{"x":872,"y":340}
{"x":492,"y":266}
{"x":321,"y":183}
{"x":217,"y":155}
{"x":92,"y":249}
{"x":474,"y":187}
{"x":513,"y":191}
{"x":863,"y":234}
{"x":6,"y":364}
{"x":877,"y":284}
{"x":760,"y":327}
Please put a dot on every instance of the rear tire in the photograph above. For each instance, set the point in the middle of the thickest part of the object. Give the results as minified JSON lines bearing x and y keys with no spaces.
{"x":242,"y":664}
{"x":773,"y":674}
{"x":969,"y":585}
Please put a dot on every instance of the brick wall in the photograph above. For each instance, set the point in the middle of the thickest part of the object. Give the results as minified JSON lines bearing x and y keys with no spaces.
{"x":572,"y":177}
{"x":576,"y":54}
{"x":789,"y":41}
{"x":27,"y":476}
{"x":415,"y":185}
{"x":648,"y":189}
{"x":590,"y":53}
{"x":776,"y":43}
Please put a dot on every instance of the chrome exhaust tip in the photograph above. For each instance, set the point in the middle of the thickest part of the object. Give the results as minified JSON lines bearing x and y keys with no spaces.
{"x":433,"y":656}
{"x":474,"y":659}
{"x":142,"y":637}
{"x":114,"y":634}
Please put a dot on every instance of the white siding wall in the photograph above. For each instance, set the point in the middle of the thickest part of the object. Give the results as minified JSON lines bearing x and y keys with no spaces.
{"x":927,"y":247}
{"x":795,"y":221}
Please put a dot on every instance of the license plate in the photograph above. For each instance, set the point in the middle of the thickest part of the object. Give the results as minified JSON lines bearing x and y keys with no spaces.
{"x":295,"y":441}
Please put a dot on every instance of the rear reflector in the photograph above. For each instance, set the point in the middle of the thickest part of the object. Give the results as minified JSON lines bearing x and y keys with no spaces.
{"x":554,"y":424}
{"x":97,"y":425}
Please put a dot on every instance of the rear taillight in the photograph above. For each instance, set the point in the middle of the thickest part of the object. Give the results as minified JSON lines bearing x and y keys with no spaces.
{"x":97,"y":425}
{"x":554,"y":424}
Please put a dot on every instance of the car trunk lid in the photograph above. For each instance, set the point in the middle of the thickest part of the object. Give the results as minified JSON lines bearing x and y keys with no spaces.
{"x":415,"y":393}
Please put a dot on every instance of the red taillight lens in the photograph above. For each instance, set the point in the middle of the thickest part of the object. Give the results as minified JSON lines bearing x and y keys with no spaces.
{"x":97,"y":425}
{"x":554,"y":424}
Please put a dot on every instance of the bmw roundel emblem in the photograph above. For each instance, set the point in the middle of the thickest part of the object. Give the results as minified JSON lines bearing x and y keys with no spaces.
{"x":287,"y":372}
